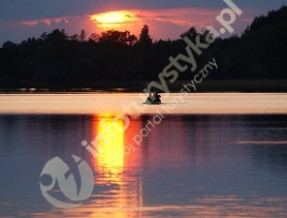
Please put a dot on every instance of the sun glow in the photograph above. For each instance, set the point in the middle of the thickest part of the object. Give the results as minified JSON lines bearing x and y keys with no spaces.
{"x":114,"y":19}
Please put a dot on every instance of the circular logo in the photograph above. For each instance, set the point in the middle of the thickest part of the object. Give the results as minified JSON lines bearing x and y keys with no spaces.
{"x":75,"y":183}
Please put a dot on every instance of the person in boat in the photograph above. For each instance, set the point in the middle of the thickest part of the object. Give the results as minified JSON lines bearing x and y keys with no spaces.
{"x":156,"y":96}
{"x":153,"y":98}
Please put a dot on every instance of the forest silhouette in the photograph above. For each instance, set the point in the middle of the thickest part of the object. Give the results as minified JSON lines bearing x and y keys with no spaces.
{"x":56,"y":59}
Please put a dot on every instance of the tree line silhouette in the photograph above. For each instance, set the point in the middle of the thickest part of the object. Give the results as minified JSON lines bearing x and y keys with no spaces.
{"x":56,"y":59}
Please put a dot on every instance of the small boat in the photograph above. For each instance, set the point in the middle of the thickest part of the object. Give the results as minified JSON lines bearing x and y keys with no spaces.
{"x":153,"y":99}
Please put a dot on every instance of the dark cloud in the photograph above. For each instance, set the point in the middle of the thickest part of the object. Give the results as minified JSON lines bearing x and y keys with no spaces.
{"x":36,"y":9}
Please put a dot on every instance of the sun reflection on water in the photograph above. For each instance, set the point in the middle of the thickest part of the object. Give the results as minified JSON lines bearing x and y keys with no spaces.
{"x":113,"y":166}
{"x":110,"y":161}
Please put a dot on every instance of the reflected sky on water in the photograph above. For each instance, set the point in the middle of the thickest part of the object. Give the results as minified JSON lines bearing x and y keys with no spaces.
{"x":201,"y":165}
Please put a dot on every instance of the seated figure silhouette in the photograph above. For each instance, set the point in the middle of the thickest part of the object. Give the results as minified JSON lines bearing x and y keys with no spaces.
{"x":153,"y":98}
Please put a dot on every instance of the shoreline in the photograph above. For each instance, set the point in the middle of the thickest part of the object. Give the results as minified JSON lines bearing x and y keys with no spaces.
{"x":245,"y":86}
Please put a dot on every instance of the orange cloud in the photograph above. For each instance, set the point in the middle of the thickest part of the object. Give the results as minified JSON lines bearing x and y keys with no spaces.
{"x":114,"y":19}
{"x":160,"y":21}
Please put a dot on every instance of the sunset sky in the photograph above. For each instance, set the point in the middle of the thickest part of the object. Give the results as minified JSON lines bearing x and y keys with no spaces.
{"x":20,"y":19}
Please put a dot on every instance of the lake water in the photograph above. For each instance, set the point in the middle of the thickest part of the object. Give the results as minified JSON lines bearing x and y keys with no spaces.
{"x":218,"y":163}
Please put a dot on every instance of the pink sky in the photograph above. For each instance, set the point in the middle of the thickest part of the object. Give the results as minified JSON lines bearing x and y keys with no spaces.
{"x":163,"y":23}
{"x":167,"y":19}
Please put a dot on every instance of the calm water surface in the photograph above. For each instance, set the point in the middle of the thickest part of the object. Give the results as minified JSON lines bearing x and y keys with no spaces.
{"x":184,"y":166}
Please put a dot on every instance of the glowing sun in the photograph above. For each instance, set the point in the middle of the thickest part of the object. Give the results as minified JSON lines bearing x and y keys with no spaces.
{"x":114,"y":19}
